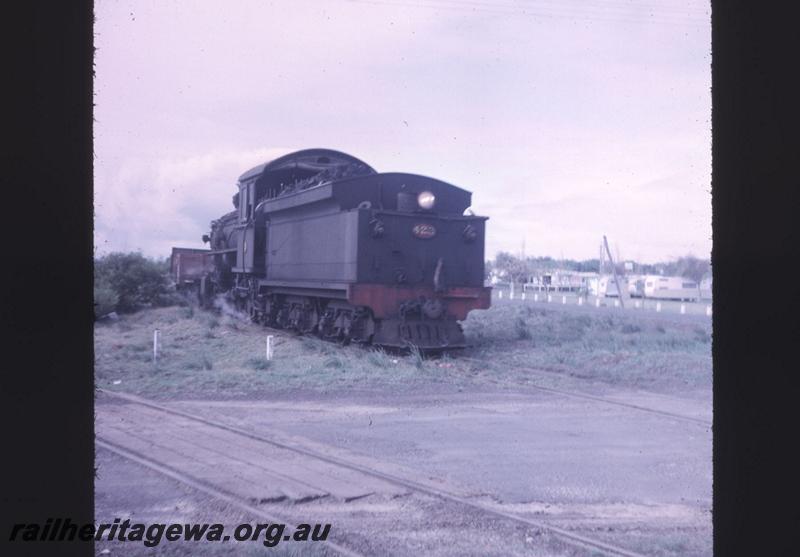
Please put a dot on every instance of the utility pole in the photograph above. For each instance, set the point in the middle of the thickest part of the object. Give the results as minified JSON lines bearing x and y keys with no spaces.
{"x":602,"y":257}
{"x":614,"y":269}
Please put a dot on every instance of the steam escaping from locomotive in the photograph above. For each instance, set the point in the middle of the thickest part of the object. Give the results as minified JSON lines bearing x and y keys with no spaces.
{"x":321,"y":243}
{"x":223,"y":304}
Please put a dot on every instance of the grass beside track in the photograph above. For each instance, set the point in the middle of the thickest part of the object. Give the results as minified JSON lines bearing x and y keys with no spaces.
{"x":619,"y":348}
{"x":205,"y":353}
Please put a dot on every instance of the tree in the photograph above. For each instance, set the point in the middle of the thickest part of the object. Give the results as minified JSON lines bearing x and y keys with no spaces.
{"x":135,"y":280}
{"x":511,"y":266}
{"x":488,"y":269}
{"x":690,"y":267}
{"x":105,"y":298}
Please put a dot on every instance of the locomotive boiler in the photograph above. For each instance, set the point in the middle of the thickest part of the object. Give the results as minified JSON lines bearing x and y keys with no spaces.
{"x":321,"y":243}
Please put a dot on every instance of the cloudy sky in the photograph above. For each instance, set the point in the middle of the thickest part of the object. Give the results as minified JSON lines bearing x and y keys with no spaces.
{"x":566,"y":119}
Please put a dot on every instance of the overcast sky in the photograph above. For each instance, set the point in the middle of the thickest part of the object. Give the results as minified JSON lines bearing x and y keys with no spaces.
{"x":567,"y":120}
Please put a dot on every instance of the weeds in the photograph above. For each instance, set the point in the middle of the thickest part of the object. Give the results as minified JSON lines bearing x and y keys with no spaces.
{"x":701,"y":335}
{"x":377,"y":357}
{"x":622,"y":349}
{"x":417,"y":357}
{"x":335,"y":362}
{"x":260,"y":363}
{"x":200,"y":362}
{"x":521,"y":329}
{"x":198,"y":356}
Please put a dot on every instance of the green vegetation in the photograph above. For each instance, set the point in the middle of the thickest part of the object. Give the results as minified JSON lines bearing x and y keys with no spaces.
{"x":105,"y":297}
{"x":613,"y":347}
{"x":126,"y":282}
{"x":205,"y":354}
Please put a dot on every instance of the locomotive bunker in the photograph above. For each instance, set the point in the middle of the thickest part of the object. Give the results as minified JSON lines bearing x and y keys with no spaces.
{"x":321,"y":243}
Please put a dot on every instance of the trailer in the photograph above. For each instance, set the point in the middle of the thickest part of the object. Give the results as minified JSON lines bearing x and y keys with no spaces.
{"x":671,"y":288}
{"x":607,"y":287}
{"x":636,"y":286}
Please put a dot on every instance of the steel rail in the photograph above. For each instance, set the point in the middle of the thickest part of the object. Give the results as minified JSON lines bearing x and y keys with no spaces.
{"x":565,"y":535}
{"x":208,"y":489}
{"x":595,"y":398}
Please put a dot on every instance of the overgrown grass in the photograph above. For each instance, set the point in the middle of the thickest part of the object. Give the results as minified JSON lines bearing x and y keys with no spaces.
{"x":205,"y":354}
{"x":619,"y":348}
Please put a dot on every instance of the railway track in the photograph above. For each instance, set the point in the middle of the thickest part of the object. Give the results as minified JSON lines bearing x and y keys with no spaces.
{"x":312,"y":457}
{"x":212,"y":491}
{"x":280,"y":333}
{"x":603,"y":400}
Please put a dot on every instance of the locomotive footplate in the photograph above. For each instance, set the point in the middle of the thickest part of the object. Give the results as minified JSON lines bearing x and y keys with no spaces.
{"x":426,"y":334}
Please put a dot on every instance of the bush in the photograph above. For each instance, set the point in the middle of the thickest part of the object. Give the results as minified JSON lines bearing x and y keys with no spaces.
{"x":136,"y":281}
{"x":105,"y":298}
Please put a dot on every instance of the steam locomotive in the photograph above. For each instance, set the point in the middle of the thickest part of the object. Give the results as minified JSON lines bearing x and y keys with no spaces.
{"x":321,"y":243}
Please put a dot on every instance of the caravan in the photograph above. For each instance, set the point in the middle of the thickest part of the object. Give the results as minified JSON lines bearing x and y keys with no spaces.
{"x":636,"y":286}
{"x":606,"y":286}
{"x":671,"y":288}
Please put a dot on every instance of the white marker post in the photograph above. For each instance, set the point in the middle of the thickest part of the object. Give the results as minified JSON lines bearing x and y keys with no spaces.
{"x":500,"y":294}
{"x":523,"y":295}
{"x":511,"y":291}
{"x":597,"y":302}
{"x":563,"y":299}
{"x":535,"y":297}
{"x":549,"y":298}
{"x":658,"y":306}
{"x":155,"y":346}
{"x":636,"y":304}
{"x":708,"y":311}
{"x":580,"y":301}
{"x":683,"y":309}
{"x":269,"y":347}
{"x":616,"y":303}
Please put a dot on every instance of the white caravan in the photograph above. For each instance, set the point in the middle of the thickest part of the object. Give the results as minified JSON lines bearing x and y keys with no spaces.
{"x":671,"y":288}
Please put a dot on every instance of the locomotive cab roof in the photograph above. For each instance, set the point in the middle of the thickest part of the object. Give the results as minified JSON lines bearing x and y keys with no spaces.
{"x":308,"y":159}
{"x":313,"y":175}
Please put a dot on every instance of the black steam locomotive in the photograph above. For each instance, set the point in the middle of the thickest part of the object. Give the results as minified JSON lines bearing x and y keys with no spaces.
{"x":321,"y":243}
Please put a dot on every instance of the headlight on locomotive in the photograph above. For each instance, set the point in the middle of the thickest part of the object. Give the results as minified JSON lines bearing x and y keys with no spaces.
{"x":426,"y":200}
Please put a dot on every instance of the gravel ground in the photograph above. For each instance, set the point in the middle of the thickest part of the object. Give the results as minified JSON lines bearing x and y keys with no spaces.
{"x":476,"y":427}
{"x":639,"y":481}
{"x":409,"y":525}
